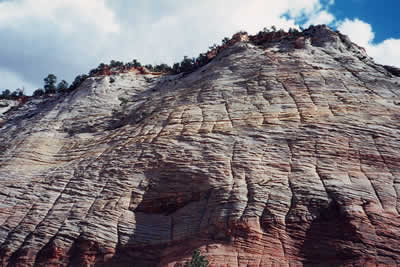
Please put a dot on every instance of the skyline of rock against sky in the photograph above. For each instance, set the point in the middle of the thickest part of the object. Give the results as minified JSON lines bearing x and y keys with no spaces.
{"x":69,"y":37}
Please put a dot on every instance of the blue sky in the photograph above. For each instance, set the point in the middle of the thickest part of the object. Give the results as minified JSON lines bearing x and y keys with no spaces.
{"x":383,"y":16}
{"x":70,"y":37}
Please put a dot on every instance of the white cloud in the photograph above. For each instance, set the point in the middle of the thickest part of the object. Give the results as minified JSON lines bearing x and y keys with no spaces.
{"x":386,"y":52}
{"x":322,"y":17}
{"x":360,"y":32}
{"x":52,"y":36}
{"x":67,"y":14}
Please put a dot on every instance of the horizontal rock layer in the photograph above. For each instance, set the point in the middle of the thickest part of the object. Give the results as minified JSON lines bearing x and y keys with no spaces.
{"x":267,"y":156}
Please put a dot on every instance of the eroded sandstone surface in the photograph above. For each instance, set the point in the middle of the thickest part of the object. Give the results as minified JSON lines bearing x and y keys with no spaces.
{"x":285,"y":154}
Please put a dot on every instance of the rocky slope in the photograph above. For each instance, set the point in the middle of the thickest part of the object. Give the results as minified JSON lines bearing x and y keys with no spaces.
{"x":285,"y":154}
{"x":5,"y":106}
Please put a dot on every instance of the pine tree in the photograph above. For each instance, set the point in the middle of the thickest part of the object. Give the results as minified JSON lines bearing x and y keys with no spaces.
{"x":6,"y":94}
{"x":38,"y":92}
{"x":50,"y":84}
{"x":62,"y":86}
{"x":197,"y":260}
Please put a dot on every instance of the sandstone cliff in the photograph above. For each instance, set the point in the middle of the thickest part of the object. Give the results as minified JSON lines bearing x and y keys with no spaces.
{"x":274,"y":155}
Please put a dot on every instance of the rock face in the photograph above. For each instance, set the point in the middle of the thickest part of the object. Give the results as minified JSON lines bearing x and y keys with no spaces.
{"x":267,"y":156}
{"x":5,"y":106}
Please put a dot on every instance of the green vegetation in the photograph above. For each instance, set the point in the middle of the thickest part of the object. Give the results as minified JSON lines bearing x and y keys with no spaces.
{"x":38,"y":92}
{"x":50,"y":84}
{"x":62,"y":86}
{"x":197,"y":260}
{"x":186,"y":65}
{"x":78,"y":81}
{"x":225,"y":40}
{"x":123,"y":100}
{"x":118,"y":66}
{"x":14,"y":95}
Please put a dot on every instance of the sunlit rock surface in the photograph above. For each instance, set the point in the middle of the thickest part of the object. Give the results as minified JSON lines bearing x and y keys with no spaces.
{"x":275,"y":155}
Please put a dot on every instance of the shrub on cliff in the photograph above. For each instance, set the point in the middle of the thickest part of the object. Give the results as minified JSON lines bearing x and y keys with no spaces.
{"x":62,"y":86}
{"x":186,"y":65}
{"x":7,"y":94}
{"x":197,"y":260}
{"x":38,"y":92}
{"x":78,"y":81}
{"x":294,"y":31}
{"x":149,"y":67}
{"x":100,"y":68}
{"x":162,"y":68}
{"x":136,"y":63}
{"x":116,"y":64}
{"x":50,"y":84}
